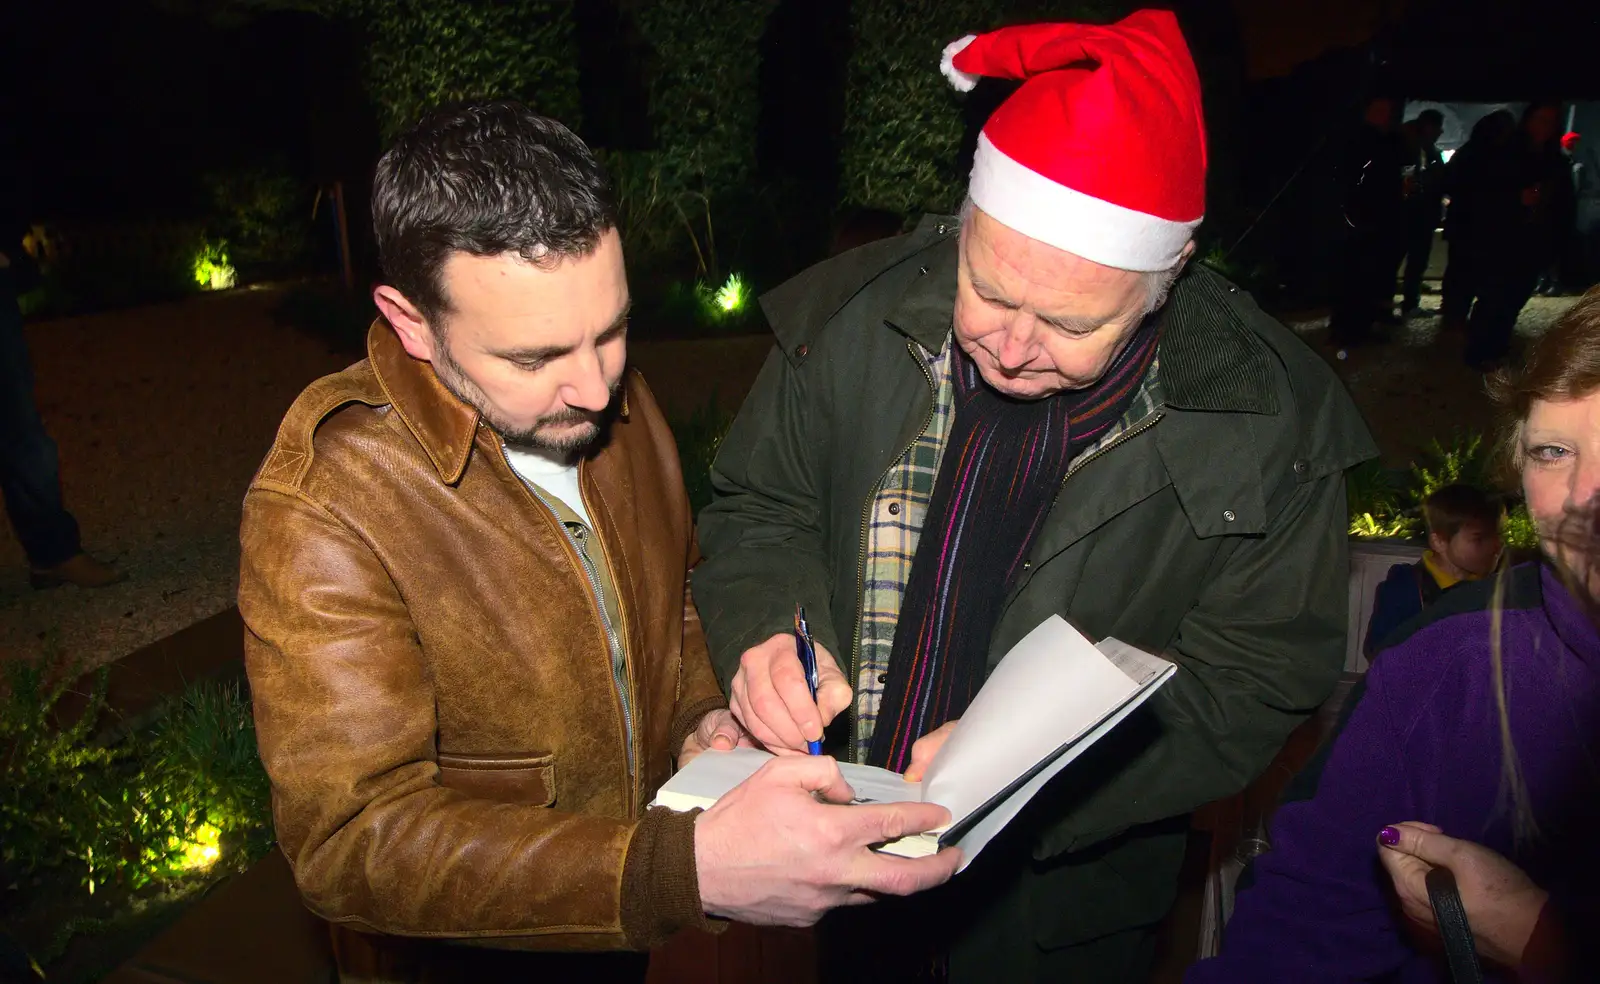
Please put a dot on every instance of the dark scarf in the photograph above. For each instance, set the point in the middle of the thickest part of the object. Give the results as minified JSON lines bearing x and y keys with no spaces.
{"x":1004,"y":462}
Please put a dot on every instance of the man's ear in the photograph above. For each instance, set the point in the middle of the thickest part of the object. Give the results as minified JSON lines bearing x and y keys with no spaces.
{"x":1438,"y":544}
{"x":1185,"y":256}
{"x":406,"y":320}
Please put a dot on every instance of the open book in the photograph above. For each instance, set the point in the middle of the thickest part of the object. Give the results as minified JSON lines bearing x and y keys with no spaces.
{"x":1052,"y":696}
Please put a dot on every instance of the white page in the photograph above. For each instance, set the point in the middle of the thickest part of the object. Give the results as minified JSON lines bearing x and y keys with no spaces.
{"x":875,"y":785}
{"x":995,"y":820}
{"x":1140,"y":666}
{"x":712,"y":774}
{"x":1052,"y":687}
{"x":706,"y":779}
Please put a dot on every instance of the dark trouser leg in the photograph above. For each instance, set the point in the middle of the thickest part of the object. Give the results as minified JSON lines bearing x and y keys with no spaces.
{"x":1460,"y":284}
{"x":30,"y":478}
{"x":1419,"y":250}
{"x":1506,"y":287}
{"x":1354,"y":305}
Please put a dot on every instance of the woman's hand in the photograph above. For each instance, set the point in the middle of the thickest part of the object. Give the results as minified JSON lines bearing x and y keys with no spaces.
{"x":1502,"y":902}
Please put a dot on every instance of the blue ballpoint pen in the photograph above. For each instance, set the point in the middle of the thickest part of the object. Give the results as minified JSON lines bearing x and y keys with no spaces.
{"x":808,"y":662}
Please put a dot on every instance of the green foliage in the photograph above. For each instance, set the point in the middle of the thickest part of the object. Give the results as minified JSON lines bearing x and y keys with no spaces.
{"x":704,"y":87}
{"x":93,"y":266}
{"x":704,"y":107}
{"x":1382,"y":507}
{"x":264,"y":215}
{"x":425,"y":53}
{"x":1463,"y":460}
{"x":658,"y":215}
{"x":1367,"y":526}
{"x":1378,"y":504}
{"x":903,"y":124}
{"x":699,"y":435}
{"x":95,"y":828}
{"x":50,"y":815}
{"x":206,"y":742}
{"x":1519,"y":531}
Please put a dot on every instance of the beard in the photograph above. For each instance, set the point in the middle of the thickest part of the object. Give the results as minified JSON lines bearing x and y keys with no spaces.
{"x":579,"y":430}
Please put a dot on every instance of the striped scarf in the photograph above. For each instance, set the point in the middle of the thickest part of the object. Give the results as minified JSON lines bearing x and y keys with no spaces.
{"x":1004,"y":462}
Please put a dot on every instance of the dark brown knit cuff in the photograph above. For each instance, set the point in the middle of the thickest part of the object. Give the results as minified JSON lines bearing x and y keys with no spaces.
{"x":689,"y":720}
{"x":660,"y":887}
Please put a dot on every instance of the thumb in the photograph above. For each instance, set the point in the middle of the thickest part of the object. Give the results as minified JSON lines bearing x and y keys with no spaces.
{"x":833,"y":690}
{"x":1420,"y":840}
{"x":721,"y":731}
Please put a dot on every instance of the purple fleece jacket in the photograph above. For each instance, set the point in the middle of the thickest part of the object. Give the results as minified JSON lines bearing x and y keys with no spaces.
{"x":1423,"y":743}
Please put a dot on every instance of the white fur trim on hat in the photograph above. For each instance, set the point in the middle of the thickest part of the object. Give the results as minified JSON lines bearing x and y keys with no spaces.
{"x":962,"y":81}
{"x":1030,"y":203}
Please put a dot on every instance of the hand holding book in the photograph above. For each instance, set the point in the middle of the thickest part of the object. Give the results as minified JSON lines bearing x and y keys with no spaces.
{"x":1052,"y":696}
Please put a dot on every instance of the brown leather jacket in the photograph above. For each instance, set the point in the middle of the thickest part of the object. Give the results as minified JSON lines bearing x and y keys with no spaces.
{"x":433,"y":692}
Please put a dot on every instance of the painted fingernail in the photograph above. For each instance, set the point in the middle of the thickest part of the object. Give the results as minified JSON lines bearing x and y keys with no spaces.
{"x":1389,"y":836}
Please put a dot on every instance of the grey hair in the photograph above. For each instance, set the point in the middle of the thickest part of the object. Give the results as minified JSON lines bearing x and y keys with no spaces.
{"x":1157,"y":283}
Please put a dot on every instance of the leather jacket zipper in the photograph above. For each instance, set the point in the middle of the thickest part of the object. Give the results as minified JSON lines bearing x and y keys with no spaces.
{"x":861,"y":551}
{"x":615,"y":655}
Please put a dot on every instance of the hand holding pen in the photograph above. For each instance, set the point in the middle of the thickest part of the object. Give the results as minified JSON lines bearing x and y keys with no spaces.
{"x":773,"y":696}
{"x":806,"y":649}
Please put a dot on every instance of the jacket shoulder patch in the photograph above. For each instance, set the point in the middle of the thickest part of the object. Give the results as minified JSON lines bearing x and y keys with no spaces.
{"x":292,"y":449}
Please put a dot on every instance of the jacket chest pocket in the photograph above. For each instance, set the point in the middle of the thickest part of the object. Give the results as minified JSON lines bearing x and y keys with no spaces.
{"x":529,"y":780}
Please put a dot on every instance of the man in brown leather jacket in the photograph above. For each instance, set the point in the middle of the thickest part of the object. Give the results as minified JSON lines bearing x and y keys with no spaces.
{"x":469,"y":638}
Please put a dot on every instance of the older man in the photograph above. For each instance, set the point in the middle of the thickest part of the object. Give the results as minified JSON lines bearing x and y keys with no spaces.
{"x":1030,"y":413}
{"x":469,"y":641}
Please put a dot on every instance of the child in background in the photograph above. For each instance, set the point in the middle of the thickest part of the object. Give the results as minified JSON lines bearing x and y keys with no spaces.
{"x":1463,"y":545}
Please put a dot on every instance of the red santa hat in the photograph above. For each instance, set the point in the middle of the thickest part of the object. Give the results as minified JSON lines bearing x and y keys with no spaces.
{"x":1102,"y":150}
{"x":1569,"y":142}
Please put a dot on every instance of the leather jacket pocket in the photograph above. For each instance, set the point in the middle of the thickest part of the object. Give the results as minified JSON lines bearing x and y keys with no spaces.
{"x":526,"y":779}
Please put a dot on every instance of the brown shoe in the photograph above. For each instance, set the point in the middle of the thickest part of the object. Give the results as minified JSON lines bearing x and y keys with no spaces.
{"x":82,"y":570}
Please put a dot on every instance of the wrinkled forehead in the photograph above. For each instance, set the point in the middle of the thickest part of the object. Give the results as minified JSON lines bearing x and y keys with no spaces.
{"x":1012,"y":267}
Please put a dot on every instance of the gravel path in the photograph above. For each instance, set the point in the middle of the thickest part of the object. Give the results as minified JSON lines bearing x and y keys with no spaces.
{"x":162,"y":415}
{"x":1415,"y":387}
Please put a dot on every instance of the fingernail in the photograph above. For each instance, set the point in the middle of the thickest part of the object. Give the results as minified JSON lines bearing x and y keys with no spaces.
{"x":1389,"y":836}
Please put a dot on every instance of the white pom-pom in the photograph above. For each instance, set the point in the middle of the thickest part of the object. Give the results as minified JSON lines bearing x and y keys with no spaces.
{"x":962,"y":81}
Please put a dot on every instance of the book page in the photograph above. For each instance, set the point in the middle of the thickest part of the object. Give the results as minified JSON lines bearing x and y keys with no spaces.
{"x":875,"y":785}
{"x":1051,"y":688}
{"x":712,"y":774}
{"x":704,"y":781}
{"x":1140,"y":666}
{"x":975,"y":836}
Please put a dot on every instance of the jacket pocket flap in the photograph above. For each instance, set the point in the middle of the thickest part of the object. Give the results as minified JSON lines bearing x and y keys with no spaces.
{"x":526,"y":779}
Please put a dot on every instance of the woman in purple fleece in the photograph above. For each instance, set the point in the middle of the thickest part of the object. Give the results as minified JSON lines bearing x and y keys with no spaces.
{"x":1474,"y":740}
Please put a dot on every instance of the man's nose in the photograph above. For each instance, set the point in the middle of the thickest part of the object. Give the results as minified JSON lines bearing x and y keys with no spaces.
{"x":1016,"y":346}
{"x":586,"y":388}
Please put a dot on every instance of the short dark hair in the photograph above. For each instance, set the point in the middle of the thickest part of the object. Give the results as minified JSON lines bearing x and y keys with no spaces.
{"x":1431,"y":116}
{"x":484,"y":179}
{"x":1451,"y":507}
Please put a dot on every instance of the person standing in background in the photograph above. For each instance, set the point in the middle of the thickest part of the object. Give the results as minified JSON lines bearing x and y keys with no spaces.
{"x":30,"y":475}
{"x":1424,"y":201}
{"x":1530,"y":210}
{"x":1371,"y":190}
{"x":1470,"y":225}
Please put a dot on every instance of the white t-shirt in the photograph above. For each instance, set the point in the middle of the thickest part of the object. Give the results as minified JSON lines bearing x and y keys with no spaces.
{"x":555,"y":476}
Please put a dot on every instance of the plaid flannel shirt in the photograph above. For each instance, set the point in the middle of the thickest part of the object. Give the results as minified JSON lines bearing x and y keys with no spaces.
{"x":895,"y":523}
